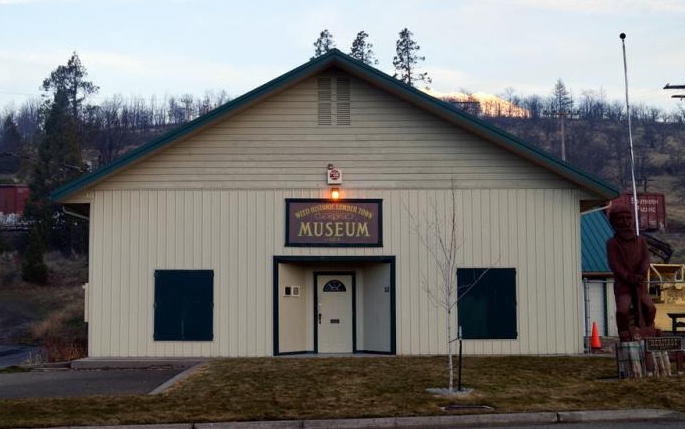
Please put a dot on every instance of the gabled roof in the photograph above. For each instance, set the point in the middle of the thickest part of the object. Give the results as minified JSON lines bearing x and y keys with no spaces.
{"x":336,"y":58}
{"x":594,"y":233}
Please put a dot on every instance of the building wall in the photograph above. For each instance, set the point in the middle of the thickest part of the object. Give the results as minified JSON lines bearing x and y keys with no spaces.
{"x":237,"y":232}
{"x":292,"y":317}
{"x":375,"y":309}
{"x":217,"y":201}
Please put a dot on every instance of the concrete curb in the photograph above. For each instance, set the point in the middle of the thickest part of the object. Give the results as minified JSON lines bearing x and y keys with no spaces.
{"x":618,"y":415}
{"x":175,"y":379}
{"x":470,"y":420}
{"x":142,"y":363}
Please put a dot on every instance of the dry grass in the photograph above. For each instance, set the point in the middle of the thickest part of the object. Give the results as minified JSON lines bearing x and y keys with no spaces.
{"x":281,"y":388}
{"x":51,"y":315}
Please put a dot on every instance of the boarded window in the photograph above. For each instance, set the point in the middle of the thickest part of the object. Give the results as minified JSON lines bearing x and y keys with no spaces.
{"x":487,"y":303}
{"x":184,"y":302}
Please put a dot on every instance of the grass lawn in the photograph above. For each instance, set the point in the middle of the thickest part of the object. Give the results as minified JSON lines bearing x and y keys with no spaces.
{"x":311,"y":388}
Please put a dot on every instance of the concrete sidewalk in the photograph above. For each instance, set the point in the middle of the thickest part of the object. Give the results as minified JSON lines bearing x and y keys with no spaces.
{"x":462,"y":421}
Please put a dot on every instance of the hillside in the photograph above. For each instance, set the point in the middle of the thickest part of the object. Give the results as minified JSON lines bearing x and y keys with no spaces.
{"x":601,"y":148}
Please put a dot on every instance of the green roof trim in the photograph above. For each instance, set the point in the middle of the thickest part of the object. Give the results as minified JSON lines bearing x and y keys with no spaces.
{"x":337,"y":58}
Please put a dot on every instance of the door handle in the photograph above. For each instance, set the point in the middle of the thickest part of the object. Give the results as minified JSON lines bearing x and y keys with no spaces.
{"x":319,"y":318}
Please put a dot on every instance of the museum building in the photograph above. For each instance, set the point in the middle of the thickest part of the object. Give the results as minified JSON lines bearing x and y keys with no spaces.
{"x":294,"y":218}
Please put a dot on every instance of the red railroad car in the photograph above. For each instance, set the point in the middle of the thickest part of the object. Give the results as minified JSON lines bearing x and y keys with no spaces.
{"x":13,"y":198}
{"x":651,"y":209}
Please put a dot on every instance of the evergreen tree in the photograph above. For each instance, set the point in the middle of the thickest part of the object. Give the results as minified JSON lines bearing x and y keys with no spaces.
{"x":323,"y":44}
{"x":4,"y":243}
{"x":59,"y":153}
{"x":70,"y":79}
{"x":561,"y":101}
{"x":10,"y":146}
{"x":407,"y":59}
{"x":361,"y":49}
{"x":33,"y":269}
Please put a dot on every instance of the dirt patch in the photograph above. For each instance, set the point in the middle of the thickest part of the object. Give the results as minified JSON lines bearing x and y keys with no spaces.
{"x":31,"y":314}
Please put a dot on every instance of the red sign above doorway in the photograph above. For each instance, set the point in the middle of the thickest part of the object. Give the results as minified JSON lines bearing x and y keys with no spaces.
{"x":341,"y":223}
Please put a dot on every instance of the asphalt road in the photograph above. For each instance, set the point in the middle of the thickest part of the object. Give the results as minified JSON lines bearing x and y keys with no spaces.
{"x":82,"y":383}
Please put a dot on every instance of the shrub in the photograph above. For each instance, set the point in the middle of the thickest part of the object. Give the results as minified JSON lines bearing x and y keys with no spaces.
{"x":34,"y":269}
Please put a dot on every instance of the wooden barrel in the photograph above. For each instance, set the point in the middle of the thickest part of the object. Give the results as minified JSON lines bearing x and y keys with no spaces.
{"x":630,"y":359}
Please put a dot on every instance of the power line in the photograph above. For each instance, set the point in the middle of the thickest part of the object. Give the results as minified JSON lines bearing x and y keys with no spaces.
{"x":679,"y":96}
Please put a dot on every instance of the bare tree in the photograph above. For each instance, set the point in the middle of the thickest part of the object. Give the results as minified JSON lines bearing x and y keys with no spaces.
{"x":442,"y":242}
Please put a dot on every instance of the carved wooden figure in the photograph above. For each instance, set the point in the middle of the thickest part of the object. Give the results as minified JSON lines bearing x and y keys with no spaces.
{"x":629,"y":260}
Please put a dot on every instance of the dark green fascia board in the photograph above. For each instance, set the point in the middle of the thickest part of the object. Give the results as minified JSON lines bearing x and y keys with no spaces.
{"x":337,"y":58}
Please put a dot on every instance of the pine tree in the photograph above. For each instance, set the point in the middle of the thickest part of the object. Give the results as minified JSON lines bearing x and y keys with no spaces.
{"x":33,"y":269}
{"x":407,"y":60}
{"x":11,"y":144}
{"x":561,"y":101}
{"x":4,"y":243}
{"x":323,"y":44}
{"x":361,"y":49}
{"x":58,"y":156}
{"x":70,"y":79}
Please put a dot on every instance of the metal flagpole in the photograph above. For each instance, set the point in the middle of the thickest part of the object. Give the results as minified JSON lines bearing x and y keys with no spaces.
{"x":630,"y":133}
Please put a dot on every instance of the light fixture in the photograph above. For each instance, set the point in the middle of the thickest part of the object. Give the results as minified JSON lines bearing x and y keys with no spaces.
{"x":335,"y":193}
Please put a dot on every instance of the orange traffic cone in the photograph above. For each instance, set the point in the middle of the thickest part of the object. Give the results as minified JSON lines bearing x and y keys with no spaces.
{"x":594,"y":341}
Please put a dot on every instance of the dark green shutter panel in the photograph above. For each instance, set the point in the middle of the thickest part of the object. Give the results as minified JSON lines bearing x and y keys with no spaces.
{"x":184,"y":302}
{"x":487,"y":309}
{"x":168,"y":305}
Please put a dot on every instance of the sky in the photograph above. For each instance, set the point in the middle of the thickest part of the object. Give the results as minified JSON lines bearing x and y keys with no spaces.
{"x":154,"y":47}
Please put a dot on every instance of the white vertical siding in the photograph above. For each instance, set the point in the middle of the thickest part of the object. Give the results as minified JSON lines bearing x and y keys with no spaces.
{"x":237,"y":232}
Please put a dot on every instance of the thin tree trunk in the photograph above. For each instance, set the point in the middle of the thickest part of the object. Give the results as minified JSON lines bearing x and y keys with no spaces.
{"x":449,"y":347}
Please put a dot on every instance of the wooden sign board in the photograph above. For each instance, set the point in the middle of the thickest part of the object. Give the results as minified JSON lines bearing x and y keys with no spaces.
{"x":328,"y":223}
{"x":666,"y":344}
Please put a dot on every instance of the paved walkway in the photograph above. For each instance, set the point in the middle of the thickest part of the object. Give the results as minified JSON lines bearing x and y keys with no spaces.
{"x":83,"y":383}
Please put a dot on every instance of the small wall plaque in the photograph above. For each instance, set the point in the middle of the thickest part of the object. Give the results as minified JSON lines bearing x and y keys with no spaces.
{"x":670,"y":344}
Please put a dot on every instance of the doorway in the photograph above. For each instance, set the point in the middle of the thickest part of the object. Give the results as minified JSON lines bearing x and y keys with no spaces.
{"x":354,"y":296}
{"x":334,"y":312}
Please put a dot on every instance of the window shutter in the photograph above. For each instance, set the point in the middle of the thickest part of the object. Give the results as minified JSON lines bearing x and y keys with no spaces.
{"x":487,"y":307}
{"x":324,"y":100}
{"x":342,"y":113}
{"x":184,"y":302}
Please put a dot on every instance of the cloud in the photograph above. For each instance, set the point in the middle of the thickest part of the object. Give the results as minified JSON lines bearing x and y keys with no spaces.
{"x":606,"y":6}
{"x":12,"y":2}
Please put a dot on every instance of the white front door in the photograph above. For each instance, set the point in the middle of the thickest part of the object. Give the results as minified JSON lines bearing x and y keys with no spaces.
{"x":334,"y":318}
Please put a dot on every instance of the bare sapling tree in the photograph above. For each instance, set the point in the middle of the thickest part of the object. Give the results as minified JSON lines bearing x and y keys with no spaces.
{"x":442,"y":242}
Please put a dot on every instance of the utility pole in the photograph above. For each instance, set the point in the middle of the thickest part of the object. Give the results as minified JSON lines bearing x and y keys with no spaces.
{"x":562,"y":117}
{"x":679,"y":96}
